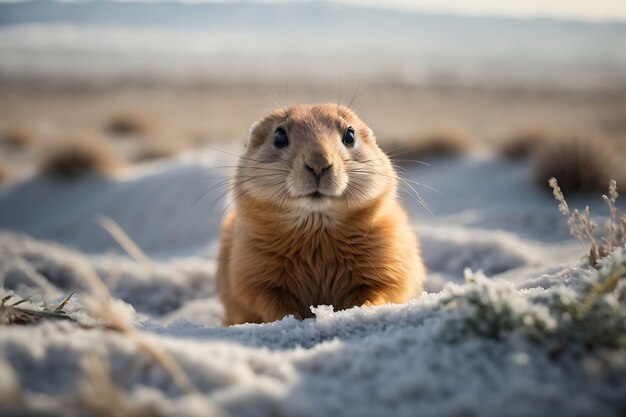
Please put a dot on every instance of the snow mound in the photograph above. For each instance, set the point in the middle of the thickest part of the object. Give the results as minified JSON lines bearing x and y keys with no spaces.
{"x":34,"y":268}
{"x":448,"y":251}
{"x":168,"y":208}
{"x":481,"y":347}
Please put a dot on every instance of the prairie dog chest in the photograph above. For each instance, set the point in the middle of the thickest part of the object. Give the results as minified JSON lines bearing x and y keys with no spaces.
{"x":320,"y":264}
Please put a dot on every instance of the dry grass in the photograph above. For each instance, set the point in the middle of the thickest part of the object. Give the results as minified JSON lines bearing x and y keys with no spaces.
{"x":76,"y":158}
{"x":100,"y":304}
{"x":582,"y":227}
{"x":433,"y":144}
{"x":524,"y":144}
{"x":127,"y":124}
{"x":582,"y":164}
{"x":17,"y":137}
{"x":16,"y":312}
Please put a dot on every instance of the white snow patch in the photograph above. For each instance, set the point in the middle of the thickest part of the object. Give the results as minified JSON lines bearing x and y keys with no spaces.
{"x":508,"y":345}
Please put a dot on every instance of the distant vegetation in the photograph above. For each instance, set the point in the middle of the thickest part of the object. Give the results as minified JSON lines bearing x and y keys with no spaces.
{"x":78,"y":157}
{"x":581,"y":163}
{"x":437,"y":143}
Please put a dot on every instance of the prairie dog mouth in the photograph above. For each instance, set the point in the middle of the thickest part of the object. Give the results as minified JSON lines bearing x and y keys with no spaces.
{"x":316,"y":195}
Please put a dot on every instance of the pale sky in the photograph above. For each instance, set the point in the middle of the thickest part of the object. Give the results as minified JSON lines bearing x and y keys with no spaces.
{"x":578,"y":9}
{"x":583,"y":9}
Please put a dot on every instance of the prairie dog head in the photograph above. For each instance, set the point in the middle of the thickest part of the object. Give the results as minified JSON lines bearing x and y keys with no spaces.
{"x":314,"y":158}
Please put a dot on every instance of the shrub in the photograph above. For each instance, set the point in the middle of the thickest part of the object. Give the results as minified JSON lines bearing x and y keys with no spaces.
{"x":592,"y":317}
{"x":17,"y":137}
{"x":126,"y":124}
{"x":582,"y":164}
{"x":524,"y":144}
{"x":75,"y":158}
{"x":433,"y":144}
{"x":582,"y":227}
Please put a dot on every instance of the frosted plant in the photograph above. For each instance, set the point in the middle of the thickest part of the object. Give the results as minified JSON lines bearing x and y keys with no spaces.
{"x":610,"y":201}
{"x":558,"y":196}
{"x":578,"y":224}
{"x":16,"y":313}
{"x":582,"y":227}
{"x":492,"y":309}
{"x":592,"y":316}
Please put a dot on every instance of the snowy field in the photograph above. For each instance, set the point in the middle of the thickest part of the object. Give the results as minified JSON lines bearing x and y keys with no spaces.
{"x":521,"y":339}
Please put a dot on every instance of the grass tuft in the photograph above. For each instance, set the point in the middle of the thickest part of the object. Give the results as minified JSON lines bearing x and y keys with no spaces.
{"x":582,"y":164}
{"x":582,"y":227}
{"x":523,"y":144}
{"x":127,"y":124}
{"x":593,"y":319}
{"x":14,"y":314}
{"x":434,"y":144}
{"x":17,"y":137}
{"x":73,"y":159}
{"x":11,"y":393}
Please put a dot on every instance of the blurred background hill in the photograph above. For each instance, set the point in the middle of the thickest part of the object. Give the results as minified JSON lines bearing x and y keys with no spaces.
{"x":187,"y":43}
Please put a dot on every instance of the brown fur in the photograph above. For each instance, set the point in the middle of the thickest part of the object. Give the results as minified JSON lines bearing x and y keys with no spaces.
{"x":283,"y":251}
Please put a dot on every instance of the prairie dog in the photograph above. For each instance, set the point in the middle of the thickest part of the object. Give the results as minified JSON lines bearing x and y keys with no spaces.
{"x":316,"y":220}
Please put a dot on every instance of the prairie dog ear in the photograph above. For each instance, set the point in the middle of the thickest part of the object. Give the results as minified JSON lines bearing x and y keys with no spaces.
{"x":261,"y":130}
{"x":366,"y":134}
{"x":250,"y":130}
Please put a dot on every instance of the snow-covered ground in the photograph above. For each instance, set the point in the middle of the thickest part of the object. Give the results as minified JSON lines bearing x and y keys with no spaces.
{"x":520,"y":341}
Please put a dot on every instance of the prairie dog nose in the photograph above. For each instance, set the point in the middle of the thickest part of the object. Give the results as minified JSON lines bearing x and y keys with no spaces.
{"x":317,"y":163}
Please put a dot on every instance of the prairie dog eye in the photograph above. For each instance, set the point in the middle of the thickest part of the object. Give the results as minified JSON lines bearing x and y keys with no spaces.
{"x":349,"y":138}
{"x":280,"y":138}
